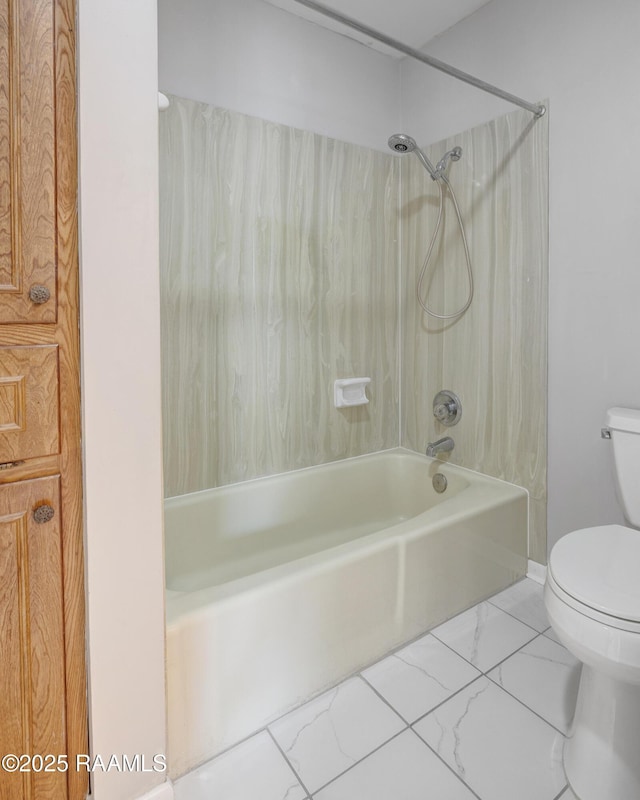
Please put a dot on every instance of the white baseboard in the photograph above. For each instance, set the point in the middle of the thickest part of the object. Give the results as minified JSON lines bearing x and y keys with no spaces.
{"x":537,"y":572}
{"x":162,"y":792}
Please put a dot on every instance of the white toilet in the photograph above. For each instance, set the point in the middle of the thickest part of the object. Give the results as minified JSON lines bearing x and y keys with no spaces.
{"x":592,"y":596}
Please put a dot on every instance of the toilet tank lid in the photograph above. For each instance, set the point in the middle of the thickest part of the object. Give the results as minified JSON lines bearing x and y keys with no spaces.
{"x":624,"y":419}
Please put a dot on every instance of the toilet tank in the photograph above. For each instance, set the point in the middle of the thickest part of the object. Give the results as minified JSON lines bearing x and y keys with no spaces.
{"x":624,"y":424}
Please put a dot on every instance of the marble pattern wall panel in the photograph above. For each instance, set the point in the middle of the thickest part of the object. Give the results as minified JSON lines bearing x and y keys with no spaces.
{"x":279,"y":274}
{"x":495,"y":356}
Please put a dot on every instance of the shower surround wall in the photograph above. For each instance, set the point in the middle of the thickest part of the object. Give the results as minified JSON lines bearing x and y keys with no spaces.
{"x":279,"y":274}
{"x":495,"y":356}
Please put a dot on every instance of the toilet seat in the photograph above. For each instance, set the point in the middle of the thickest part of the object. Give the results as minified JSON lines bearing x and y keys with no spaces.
{"x":590,"y":614}
{"x":597,"y":572}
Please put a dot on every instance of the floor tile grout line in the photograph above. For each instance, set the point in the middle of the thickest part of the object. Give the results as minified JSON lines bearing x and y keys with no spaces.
{"x":522,"y":703}
{"x":526,"y":644}
{"x":423,"y":741}
{"x":267,"y":728}
{"x":547,"y":635}
{"x":310,"y":699}
{"x":239,"y":744}
{"x":355,"y":674}
{"x":384,"y":700}
{"x":360,"y":760}
{"x":448,"y":766}
{"x":513,"y":616}
{"x":405,"y":722}
{"x":502,"y":660}
{"x":506,"y":658}
{"x":485,"y":674}
{"x":515,"y":652}
{"x":409,"y":643}
{"x":446,"y":700}
{"x":480,"y":674}
{"x":289,"y":764}
{"x":223,"y":753}
{"x":493,"y":605}
{"x":499,"y":686}
{"x":493,"y":596}
{"x":466,"y":660}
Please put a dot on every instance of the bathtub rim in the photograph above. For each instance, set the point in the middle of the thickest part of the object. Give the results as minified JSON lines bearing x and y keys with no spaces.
{"x":464,"y":505}
{"x":176,"y":499}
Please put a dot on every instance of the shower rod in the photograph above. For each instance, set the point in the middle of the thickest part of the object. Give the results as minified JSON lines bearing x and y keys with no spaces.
{"x":534,"y":108}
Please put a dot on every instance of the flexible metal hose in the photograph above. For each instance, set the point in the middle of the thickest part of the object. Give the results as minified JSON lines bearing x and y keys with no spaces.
{"x":443,"y":179}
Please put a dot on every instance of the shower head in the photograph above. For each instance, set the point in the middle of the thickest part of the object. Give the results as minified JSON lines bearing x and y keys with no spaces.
{"x":402,"y":143}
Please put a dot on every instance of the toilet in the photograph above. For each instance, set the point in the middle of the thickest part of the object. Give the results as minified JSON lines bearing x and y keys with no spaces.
{"x":592,"y":596}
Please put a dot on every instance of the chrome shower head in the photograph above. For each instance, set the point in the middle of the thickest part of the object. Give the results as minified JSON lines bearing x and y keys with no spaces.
{"x":402,"y":143}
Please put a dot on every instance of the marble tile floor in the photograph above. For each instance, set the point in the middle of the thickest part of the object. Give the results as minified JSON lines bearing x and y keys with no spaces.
{"x":476,"y":708}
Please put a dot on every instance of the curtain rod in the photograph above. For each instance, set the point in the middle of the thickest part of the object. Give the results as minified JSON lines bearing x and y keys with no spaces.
{"x":534,"y":108}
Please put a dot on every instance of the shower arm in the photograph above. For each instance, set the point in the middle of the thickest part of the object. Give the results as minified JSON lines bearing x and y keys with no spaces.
{"x":534,"y":108}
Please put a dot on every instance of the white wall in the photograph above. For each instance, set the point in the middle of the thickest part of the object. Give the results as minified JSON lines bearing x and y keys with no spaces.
{"x":248,"y":56}
{"x":584,"y":56}
{"x":118,"y":129}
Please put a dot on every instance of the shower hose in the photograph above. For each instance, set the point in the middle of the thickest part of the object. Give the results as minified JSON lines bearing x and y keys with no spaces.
{"x":443,"y":179}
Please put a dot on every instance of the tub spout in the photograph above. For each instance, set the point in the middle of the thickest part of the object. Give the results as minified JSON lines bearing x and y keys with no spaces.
{"x":445,"y":445}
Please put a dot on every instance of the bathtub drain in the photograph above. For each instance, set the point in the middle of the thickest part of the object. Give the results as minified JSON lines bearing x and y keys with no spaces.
{"x":439,"y":482}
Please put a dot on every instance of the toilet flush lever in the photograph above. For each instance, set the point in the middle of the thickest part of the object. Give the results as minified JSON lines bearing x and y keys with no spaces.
{"x":605,"y":433}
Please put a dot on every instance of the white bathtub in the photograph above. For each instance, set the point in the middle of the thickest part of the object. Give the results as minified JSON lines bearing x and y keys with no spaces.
{"x":280,"y":587}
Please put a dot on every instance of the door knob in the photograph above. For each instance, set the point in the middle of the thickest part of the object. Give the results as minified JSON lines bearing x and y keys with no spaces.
{"x":43,"y":513}
{"x":39,"y":294}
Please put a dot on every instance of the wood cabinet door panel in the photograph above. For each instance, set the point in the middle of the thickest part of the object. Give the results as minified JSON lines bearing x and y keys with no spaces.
{"x":29,"y":424}
{"x":32,"y":671}
{"x":27,"y":162}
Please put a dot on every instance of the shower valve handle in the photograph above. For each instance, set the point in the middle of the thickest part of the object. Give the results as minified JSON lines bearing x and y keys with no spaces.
{"x":443,"y":411}
{"x":447,"y":407}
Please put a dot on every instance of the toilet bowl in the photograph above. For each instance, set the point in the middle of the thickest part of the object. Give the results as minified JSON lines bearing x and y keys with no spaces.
{"x":593,"y":601}
{"x":592,"y":596}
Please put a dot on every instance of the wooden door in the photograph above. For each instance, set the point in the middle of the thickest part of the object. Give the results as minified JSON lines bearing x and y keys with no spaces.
{"x":29,"y":409}
{"x":27,"y":161}
{"x":32,"y":678}
{"x":42,"y":635}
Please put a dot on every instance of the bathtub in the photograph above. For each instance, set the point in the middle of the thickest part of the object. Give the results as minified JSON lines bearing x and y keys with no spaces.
{"x":280,"y":587}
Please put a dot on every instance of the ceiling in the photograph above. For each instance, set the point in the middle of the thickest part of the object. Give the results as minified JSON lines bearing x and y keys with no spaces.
{"x":412,"y":22}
